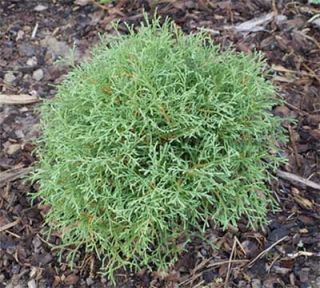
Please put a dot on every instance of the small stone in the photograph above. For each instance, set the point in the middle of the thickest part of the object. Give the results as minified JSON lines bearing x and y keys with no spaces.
{"x":256,"y":283}
{"x":209,"y":276}
{"x":26,"y":49}
{"x":304,"y":275}
{"x":32,"y":61}
{"x":20,"y":35}
{"x":281,"y":19}
{"x":203,"y":252}
{"x":44,"y":260}
{"x":56,"y":48}
{"x":242,"y":284}
{"x":32,"y":284}
{"x":13,"y":148}
{"x":9,"y":78}
{"x":19,"y":133}
{"x":15,"y":269}
{"x":316,"y":22}
{"x":89,"y":281}
{"x":250,"y":247}
{"x":71,"y":279}
{"x":38,"y":74}
{"x":282,"y":111}
{"x":40,"y":8}
{"x":36,"y":244}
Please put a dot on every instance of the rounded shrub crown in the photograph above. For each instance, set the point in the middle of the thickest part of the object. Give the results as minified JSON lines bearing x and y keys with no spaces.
{"x":156,"y":135}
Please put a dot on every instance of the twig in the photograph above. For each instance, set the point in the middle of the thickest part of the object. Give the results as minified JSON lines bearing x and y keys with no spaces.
{"x":240,"y":245}
{"x":9,"y":225}
{"x":298,"y":179}
{"x":18,"y":99}
{"x":14,"y":234}
{"x":274,"y":7}
{"x":313,"y":74}
{"x":193,"y":274}
{"x":208,"y":30}
{"x":302,"y":253}
{"x":226,"y":262}
{"x":215,"y":264}
{"x":266,"y":251}
{"x":200,"y":266}
{"x":13,"y":174}
{"x":200,"y":284}
{"x":309,"y":38}
{"x":34,"y":32}
{"x":298,"y":110}
{"x":230,"y":263}
{"x":272,"y":263}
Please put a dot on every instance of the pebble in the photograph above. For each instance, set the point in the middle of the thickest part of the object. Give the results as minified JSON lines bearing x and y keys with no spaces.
{"x":250,"y":247}
{"x":38,"y":74}
{"x":209,"y":276}
{"x":13,"y":148}
{"x":316,"y":22}
{"x":256,"y":283}
{"x":281,"y":19}
{"x":56,"y":48}
{"x":32,"y":284}
{"x":20,"y":35}
{"x":32,"y":61}
{"x":26,"y":49}
{"x":2,"y":278}
{"x":89,"y":281}
{"x":19,"y":134}
{"x":304,"y":275}
{"x":40,"y":8}
{"x":9,"y":78}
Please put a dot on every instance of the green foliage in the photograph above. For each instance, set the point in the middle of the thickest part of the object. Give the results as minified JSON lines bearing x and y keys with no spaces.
{"x":158,"y":134}
{"x":105,"y":1}
{"x":314,"y":1}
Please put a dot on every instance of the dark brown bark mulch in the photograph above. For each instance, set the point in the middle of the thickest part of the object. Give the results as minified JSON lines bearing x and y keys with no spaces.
{"x":286,"y":253}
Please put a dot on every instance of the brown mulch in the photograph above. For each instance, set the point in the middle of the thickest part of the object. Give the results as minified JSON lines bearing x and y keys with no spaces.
{"x":35,"y":34}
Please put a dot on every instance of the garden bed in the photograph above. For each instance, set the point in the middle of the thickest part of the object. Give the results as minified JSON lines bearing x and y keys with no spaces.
{"x":35,"y":34}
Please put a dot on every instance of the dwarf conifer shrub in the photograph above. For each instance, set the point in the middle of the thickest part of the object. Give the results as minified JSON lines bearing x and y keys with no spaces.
{"x":155,"y":136}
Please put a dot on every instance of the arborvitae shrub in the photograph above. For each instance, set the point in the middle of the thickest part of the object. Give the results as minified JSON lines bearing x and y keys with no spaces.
{"x":155,"y":136}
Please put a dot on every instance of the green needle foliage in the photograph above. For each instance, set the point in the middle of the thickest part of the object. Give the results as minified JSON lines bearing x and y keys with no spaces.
{"x":105,"y":1}
{"x":155,"y":136}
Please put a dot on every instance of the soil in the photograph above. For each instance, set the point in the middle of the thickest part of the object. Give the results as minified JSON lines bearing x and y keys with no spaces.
{"x":35,"y":35}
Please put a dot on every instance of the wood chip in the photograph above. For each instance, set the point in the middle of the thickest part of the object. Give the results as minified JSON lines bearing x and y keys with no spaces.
{"x":18,"y":99}
{"x":13,"y":174}
{"x":9,"y":225}
{"x":256,"y":24}
{"x":298,"y":179}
